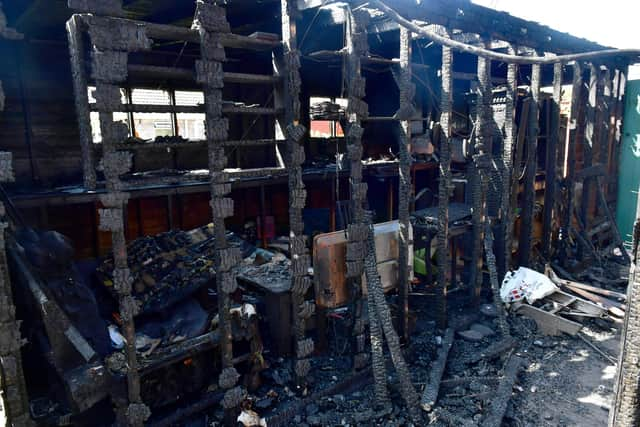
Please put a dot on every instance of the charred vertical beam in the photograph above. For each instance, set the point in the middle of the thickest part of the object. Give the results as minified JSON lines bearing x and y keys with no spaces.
{"x":553,"y":135}
{"x":357,"y":110}
{"x":589,"y":145}
{"x":13,"y":390}
{"x":616,"y":129}
{"x":444,"y":185}
{"x":295,"y":133}
{"x":77,"y":54}
{"x":211,"y":23}
{"x":575,"y":124}
{"x":507,"y":210}
{"x":109,"y":59}
{"x":481,"y":163}
{"x":405,"y":188}
{"x":526,"y":230}
{"x":626,"y":410}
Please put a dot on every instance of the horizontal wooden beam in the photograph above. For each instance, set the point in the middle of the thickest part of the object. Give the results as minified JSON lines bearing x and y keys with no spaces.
{"x":172,"y":73}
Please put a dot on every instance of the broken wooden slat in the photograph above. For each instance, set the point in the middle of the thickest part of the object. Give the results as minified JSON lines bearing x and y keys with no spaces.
{"x":603,"y":301}
{"x":578,"y":304}
{"x":548,"y":324}
{"x":503,"y":394}
{"x":430,"y":394}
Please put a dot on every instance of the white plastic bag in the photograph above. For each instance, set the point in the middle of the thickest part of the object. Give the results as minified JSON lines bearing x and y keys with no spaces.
{"x":525,"y":283}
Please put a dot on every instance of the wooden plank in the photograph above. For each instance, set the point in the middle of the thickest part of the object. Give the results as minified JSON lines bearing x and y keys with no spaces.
{"x":503,"y":394}
{"x":430,"y":394}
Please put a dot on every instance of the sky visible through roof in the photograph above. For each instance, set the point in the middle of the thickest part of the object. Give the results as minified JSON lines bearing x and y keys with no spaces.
{"x":614,"y":23}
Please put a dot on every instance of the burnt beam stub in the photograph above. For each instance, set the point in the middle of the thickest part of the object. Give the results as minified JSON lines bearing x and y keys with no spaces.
{"x":211,"y":23}
{"x":526,"y":229}
{"x":406,"y":111}
{"x":295,"y":134}
{"x":357,"y":111}
{"x":444,"y":184}
{"x":589,"y":144}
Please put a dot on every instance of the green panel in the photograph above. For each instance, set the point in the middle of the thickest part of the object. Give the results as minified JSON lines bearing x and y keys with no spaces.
{"x":629,"y":171}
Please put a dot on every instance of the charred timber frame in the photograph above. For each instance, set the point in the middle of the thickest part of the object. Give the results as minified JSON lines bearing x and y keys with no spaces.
{"x":301,"y":310}
{"x":444,"y":184}
{"x":482,"y":163}
{"x":507,"y":210}
{"x":357,"y":230}
{"x":13,"y":390}
{"x":405,"y":113}
{"x":211,"y":23}
{"x":528,"y":208}
{"x":589,"y":145}
{"x":111,"y":44}
{"x":553,"y":136}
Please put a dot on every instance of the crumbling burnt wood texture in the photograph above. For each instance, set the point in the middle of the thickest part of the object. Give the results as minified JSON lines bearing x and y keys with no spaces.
{"x":626,"y":411}
{"x":357,"y":111}
{"x":406,"y":112}
{"x":528,"y":207}
{"x":507,"y":210}
{"x":211,"y":23}
{"x":112,"y":40}
{"x":444,"y":183}
{"x":553,"y":136}
{"x":295,"y":133}
{"x":12,"y":384}
{"x":481,"y":169}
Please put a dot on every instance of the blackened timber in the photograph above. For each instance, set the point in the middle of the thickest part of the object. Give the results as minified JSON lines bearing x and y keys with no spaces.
{"x":481,"y":165}
{"x":406,"y":111}
{"x":529,"y":197}
{"x":295,"y":133}
{"x":357,"y":110}
{"x":176,"y":33}
{"x":572,"y":142}
{"x":589,"y":145}
{"x":507,"y":211}
{"x":79,"y":78}
{"x":226,"y":108}
{"x":446,"y":108}
{"x":624,"y":412}
{"x":225,"y":257}
{"x":503,"y":394}
{"x":172,"y":73}
{"x":551,"y":162}
{"x":431,"y":390}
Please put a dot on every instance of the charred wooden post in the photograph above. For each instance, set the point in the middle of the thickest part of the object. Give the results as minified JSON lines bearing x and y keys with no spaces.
{"x":444,"y":184}
{"x":625,"y":411}
{"x":432,"y":388}
{"x":13,"y":389}
{"x":503,"y":393}
{"x":507,"y":210}
{"x":295,"y":132}
{"x":526,"y":229}
{"x":79,"y":78}
{"x":357,"y":110}
{"x":574,"y":125}
{"x":405,"y":188}
{"x":112,"y":41}
{"x":482,"y":163}
{"x":383,"y":314}
{"x":211,"y":22}
{"x":553,"y":135}
{"x":588,"y":147}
